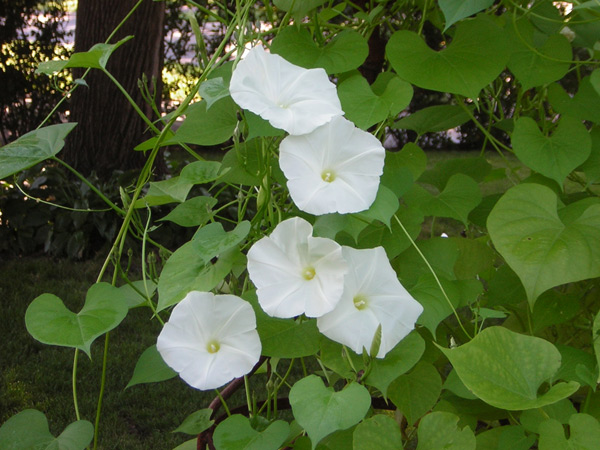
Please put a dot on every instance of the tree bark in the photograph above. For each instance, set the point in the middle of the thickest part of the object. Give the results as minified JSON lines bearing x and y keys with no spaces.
{"x":108,"y":127}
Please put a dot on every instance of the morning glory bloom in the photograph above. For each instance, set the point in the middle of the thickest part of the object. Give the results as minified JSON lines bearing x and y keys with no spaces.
{"x":372,"y":296}
{"x":210,"y":339}
{"x":296,"y":273}
{"x":290,"y":97}
{"x":336,"y":168}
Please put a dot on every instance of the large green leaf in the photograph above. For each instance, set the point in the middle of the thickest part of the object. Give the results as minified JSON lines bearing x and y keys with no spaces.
{"x":542,"y":249}
{"x":584,"y":434}
{"x":380,"y":432}
{"x":440,"y":430}
{"x":506,"y":369}
{"x":206,"y":127}
{"x":367,"y":105}
{"x":433,"y":119}
{"x":49,"y":321}
{"x":455,"y":11}
{"x":29,"y":430}
{"x":298,"y":8}
{"x":96,"y":58}
{"x":150,"y":368}
{"x":190,"y":267}
{"x":235,"y":433}
{"x":553,"y":156}
{"x":536,"y":61}
{"x":193,"y":212}
{"x":416,"y":392}
{"x":321,"y":411}
{"x":474,"y":58}
{"x":345,"y":51}
{"x":32,"y":148}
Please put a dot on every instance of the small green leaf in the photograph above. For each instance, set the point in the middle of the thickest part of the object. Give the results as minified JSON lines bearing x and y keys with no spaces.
{"x":440,"y":430}
{"x":584,"y":105}
{"x":213,"y":90}
{"x":235,"y":433}
{"x":29,"y":430}
{"x":591,"y":167}
{"x":346,"y":50}
{"x":433,"y":119}
{"x":202,"y":127}
{"x":298,"y":9}
{"x":32,"y":148}
{"x":544,"y":252}
{"x":193,"y":212}
{"x":474,"y":58}
{"x":96,"y":58}
{"x":553,"y":156}
{"x":383,"y":208}
{"x":321,"y":410}
{"x":584,"y":434}
{"x":379,"y":432}
{"x":50,"y":322}
{"x":189,"y":267}
{"x":259,"y":127}
{"x":455,"y":11}
{"x":150,"y":368}
{"x":197,"y":422}
{"x":201,"y":172}
{"x":416,"y":392}
{"x":173,"y":190}
{"x":506,"y":369}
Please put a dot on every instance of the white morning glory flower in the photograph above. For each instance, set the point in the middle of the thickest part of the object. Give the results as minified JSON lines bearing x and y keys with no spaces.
{"x":336,"y":168}
{"x":290,"y":97}
{"x":296,"y":273}
{"x":210,"y":339}
{"x":372,"y":296}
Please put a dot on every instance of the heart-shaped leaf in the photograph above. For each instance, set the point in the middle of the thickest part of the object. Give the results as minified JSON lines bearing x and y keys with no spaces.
{"x":50,"y":322}
{"x":196,"y":422}
{"x":173,"y":190}
{"x":584,"y":434}
{"x":235,"y":433}
{"x":455,"y":11}
{"x":416,"y":392}
{"x":367,"y":105}
{"x":32,"y":148}
{"x":474,"y":58}
{"x":553,"y":156}
{"x":506,"y":369}
{"x":345,"y":52}
{"x":440,"y":430}
{"x":193,"y":212}
{"x":544,"y":251}
{"x":534,"y":65}
{"x":584,"y":105}
{"x":321,"y":411}
{"x":29,"y":430}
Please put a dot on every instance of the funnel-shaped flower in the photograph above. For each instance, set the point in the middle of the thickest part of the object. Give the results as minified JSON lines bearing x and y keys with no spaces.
{"x":290,"y":97}
{"x":336,"y":168}
{"x":296,"y":273}
{"x":372,"y":296}
{"x":210,"y":339}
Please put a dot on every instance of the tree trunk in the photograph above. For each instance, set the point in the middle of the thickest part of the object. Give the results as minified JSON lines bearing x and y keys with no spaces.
{"x":108,"y":127}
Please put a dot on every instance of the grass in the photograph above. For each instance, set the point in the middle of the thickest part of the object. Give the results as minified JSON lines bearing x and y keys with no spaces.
{"x":39,"y":376}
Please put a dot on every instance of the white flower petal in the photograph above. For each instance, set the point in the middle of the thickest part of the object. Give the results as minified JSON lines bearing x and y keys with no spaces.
{"x":386,"y":302}
{"x":200,"y":320}
{"x":278,"y":266}
{"x":336,"y":168}
{"x":290,"y":97}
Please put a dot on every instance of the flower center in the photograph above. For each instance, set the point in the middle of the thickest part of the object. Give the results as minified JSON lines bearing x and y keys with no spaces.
{"x":308,"y":273}
{"x":360,"y":302}
{"x":328,"y":176}
{"x":213,"y":346}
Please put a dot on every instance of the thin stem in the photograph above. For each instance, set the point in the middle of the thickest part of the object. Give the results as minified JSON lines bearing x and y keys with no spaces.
{"x":437,"y":280}
{"x":101,"y":394}
{"x":74,"y":383}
